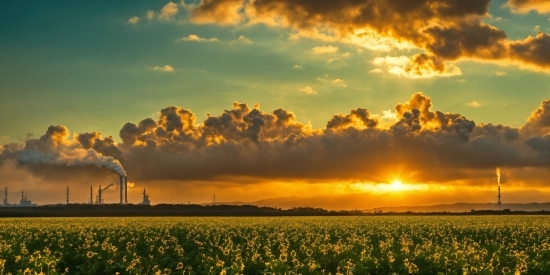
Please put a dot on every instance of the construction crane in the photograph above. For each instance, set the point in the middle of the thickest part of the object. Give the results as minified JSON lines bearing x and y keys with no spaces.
{"x":99,"y":199}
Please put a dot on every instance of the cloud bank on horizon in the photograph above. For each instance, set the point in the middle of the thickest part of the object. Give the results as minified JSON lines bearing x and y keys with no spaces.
{"x":428,"y":146}
{"x":438,"y":33}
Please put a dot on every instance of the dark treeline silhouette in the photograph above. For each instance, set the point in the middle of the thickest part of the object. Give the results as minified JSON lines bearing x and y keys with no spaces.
{"x":115,"y":210}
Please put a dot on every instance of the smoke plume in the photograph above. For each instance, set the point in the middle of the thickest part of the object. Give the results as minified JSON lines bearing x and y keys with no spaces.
{"x":76,"y":157}
{"x":55,"y":148}
{"x":498,"y":176}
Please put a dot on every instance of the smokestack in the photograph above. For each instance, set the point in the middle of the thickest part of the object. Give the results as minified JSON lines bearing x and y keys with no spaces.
{"x":91,"y":196}
{"x":6,"y":197}
{"x":498,"y":182}
{"x":67,"y":195}
{"x":121,"y":188}
{"x":125,"y":190}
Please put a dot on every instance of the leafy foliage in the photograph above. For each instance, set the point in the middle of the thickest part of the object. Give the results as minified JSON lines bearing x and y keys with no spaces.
{"x":276,"y":245}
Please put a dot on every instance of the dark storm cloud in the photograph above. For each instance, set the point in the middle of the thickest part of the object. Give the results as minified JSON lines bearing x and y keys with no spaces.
{"x":243,"y":142}
{"x":445,"y":30}
{"x":105,"y":146}
{"x":539,"y":121}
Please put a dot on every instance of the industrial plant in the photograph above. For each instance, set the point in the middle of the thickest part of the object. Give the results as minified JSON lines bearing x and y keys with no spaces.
{"x":145,"y":198}
{"x":99,"y":200}
{"x":24,"y":202}
{"x":123,"y":181}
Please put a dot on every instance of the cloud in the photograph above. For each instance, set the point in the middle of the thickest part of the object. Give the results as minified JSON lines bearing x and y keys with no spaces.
{"x":337,"y":62}
{"x":417,"y":66}
{"x":324,"y":49}
{"x":539,"y":120}
{"x":335,"y":82}
{"x":501,"y":74}
{"x":133,"y":20}
{"x":150,"y":15}
{"x":252,"y":143}
{"x":212,"y":12}
{"x":308,"y":90}
{"x":339,"y":82}
{"x":165,"y":68}
{"x":196,"y":38}
{"x":525,"y":6}
{"x":474,"y":104}
{"x":168,"y":11}
{"x":443,"y":33}
{"x":391,"y":61}
{"x":244,"y":145}
{"x":533,"y":51}
{"x":242,"y":39}
{"x":376,"y":71}
{"x":387,"y":119}
{"x":297,"y":67}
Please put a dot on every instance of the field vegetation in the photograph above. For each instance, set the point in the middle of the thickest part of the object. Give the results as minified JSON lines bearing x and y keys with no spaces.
{"x":276,"y":245}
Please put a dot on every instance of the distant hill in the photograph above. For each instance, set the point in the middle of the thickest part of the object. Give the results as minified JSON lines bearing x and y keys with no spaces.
{"x":291,"y":202}
{"x":466,"y":207}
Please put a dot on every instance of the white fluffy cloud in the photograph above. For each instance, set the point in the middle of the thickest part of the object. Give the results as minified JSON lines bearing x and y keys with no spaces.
{"x":474,"y":104}
{"x":242,"y":39}
{"x":339,"y":82}
{"x":196,"y":38}
{"x":308,"y":90}
{"x":324,"y":49}
{"x":165,"y":68}
{"x":133,"y":20}
{"x":168,"y":11}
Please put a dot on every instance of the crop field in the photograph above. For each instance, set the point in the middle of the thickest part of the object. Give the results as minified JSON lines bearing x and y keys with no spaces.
{"x":276,"y":245}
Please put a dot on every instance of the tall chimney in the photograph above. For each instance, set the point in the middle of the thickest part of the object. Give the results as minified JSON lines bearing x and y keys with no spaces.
{"x":91,"y":196}
{"x":6,"y":197}
{"x":121,"y":188}
{"x":67,"y":194}
{"x":125,"y":190}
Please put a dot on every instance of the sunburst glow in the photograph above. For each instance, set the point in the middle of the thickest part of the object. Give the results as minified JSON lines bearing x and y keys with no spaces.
{"x":396,"y":185}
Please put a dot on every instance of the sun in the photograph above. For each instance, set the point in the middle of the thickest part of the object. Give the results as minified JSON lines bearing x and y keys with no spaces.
{"x":396,"y":185}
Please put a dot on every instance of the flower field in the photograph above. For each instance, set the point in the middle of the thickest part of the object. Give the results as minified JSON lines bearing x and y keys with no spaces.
{"x":277,"y":245}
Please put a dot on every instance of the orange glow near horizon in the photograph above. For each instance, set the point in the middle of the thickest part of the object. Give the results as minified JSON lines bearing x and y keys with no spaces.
{"x":396,"y":185}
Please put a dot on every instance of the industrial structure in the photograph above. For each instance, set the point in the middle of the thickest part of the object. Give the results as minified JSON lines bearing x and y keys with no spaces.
{"x":498,"y":182}
{"x":91,"y":196}
{"x":99,"y":197}
{"x":124,"y":189}
{"x":24,"y":201}
{"x":145,"y":198}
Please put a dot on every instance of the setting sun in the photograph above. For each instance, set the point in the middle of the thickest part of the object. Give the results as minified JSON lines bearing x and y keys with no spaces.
{"x":396,"y":185}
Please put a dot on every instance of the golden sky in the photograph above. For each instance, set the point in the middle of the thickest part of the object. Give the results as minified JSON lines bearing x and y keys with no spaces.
{"x":344,"y":104}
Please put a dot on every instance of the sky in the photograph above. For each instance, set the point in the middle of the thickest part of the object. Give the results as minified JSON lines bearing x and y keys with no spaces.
{"x":351,"y":104}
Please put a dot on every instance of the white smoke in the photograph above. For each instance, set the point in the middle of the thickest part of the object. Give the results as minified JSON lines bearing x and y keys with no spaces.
{"x":75,"y":157}
{"x":498,"y":176}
